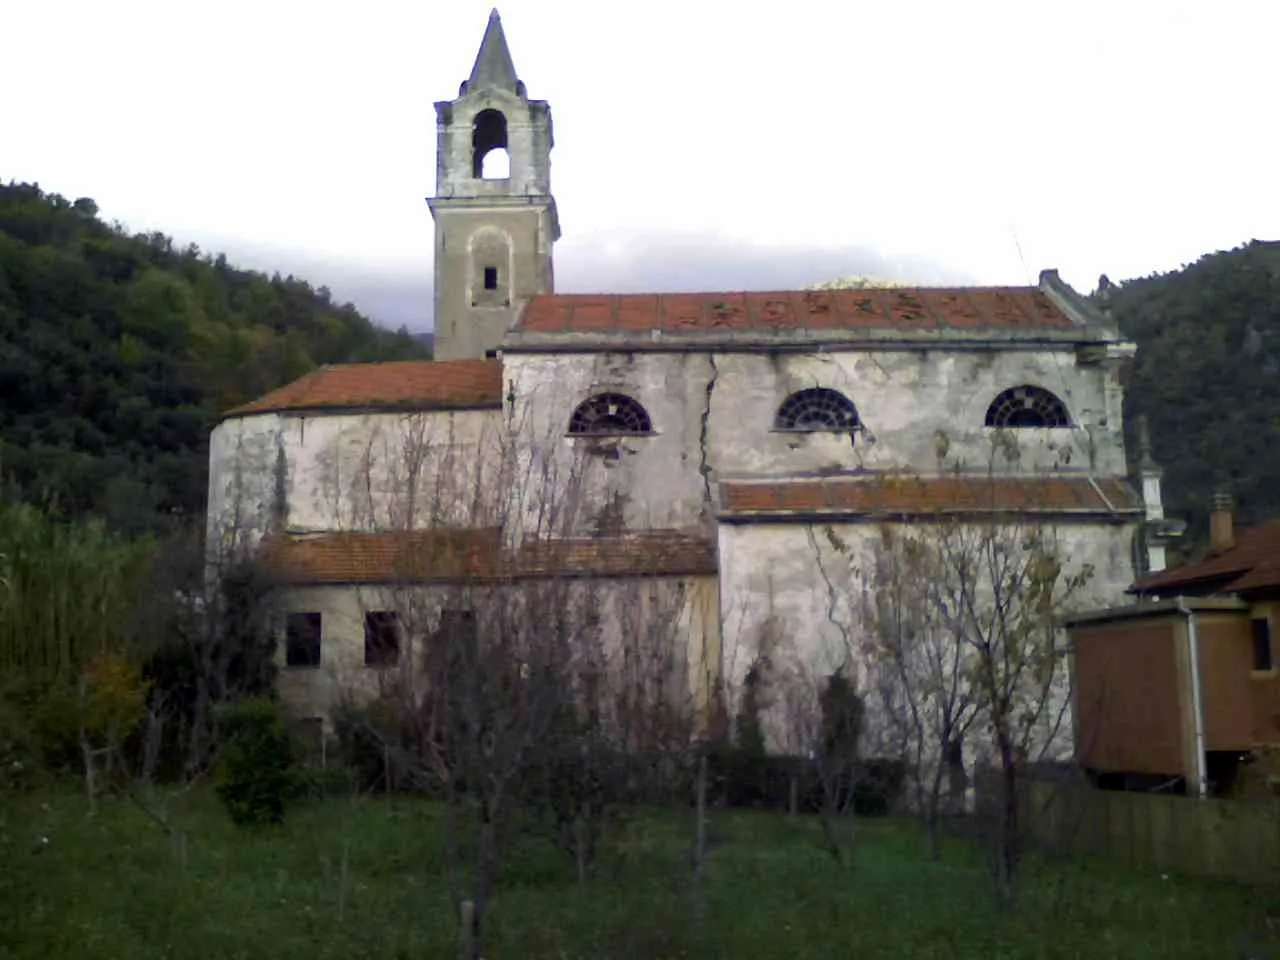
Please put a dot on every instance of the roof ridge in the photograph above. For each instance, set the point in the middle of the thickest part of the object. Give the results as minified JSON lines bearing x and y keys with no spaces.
{"x":739,"y":292}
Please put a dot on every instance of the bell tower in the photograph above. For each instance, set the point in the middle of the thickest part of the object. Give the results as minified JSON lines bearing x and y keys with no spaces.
{"x":494,"y":213}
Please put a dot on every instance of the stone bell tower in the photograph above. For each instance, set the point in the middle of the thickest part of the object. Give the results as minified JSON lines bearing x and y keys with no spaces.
{"x":495,"y":217}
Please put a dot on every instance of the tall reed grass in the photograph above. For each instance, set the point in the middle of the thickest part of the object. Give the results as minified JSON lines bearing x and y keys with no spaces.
{"x":69,"y":591}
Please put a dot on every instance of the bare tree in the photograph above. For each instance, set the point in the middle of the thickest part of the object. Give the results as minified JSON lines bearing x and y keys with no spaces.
{"x":960,"y":625}
{"x":919,"y":668}
{"x":1003,"y":588}
{"x":517,"y":673}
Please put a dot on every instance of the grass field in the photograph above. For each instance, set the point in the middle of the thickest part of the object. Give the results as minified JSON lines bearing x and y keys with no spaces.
{"x":110,"y":886}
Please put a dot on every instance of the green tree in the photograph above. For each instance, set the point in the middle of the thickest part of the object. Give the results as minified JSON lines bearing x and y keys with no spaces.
{"x":118,"y":352}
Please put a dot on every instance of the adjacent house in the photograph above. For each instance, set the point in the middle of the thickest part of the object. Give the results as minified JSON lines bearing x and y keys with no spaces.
{"x":1181,"y":688}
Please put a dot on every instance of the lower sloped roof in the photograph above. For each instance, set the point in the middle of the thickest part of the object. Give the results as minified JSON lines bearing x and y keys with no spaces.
{"x":478,"y":555}
{"x":395,"y":385}
{"x":890,"y":496}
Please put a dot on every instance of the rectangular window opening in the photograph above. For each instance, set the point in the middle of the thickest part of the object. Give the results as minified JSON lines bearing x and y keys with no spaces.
{"x":491,"y":278}
{"x":381,"y":639}
{"x":1262,"y":644}
{"x":302,"y":640}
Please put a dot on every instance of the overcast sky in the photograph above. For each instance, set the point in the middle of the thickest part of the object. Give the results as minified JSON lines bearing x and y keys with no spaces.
{"x":699,"y":144}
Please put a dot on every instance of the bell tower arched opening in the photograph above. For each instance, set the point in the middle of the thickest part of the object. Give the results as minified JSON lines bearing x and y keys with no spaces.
{"x":489,"y":157}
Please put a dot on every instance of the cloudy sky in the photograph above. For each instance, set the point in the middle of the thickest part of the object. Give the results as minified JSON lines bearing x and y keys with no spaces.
{"x":700,"y":144}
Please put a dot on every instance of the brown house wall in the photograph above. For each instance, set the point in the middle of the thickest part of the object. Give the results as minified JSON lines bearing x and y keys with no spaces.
{"x":1265,"y":685}
{"x":1226,"y":657}
{"x":1127,"y":716}
{"x":1265,"y":690}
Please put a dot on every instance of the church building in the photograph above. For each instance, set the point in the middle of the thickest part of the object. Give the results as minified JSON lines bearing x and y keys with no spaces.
{"x":729,"y":457}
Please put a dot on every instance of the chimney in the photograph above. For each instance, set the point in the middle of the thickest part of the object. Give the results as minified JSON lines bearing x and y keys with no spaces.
{"x":1222,"y":535}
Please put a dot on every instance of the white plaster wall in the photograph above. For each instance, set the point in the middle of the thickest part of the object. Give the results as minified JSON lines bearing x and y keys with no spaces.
{"x":244,"y":458}
{"x":655,"y":481}
{"x":390,"y":471}
{"x":713,"y":416}
{"x":794,"y":574}
{"x":910,"y":402}
{"x":374,"y":471}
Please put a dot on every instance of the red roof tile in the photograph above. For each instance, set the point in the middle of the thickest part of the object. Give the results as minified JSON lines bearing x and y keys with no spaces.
{"x":922,"y":308}
{"x":907,"y":496}
{"x":1252,"y":564}
{"x":405,"y":384}
{"x":478,"y":556}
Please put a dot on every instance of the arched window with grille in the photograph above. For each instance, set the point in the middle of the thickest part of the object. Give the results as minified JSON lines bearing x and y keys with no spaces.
{"x":609,"y":414}
{"x":816,"y":410}
{"x":1027,"y":406}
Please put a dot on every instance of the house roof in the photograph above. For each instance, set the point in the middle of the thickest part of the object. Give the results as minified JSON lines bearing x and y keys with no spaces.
{"x":925,"y":309}
{"x":397,"y":385}
{"x":478,"y":555}
{"x":892,"y":495}
{"x":1252,"y":564}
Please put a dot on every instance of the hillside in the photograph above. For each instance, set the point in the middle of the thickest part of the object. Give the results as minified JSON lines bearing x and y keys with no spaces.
{"x":117,"y":351}
{"x":1206,"y":376}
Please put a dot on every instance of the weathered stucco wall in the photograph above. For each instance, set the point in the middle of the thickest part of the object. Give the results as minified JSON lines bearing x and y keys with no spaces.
{"x":245,"y":460}
{"x":793,"y":592}
{"x":660,"y":635}
{"x":516,"y":242}
{"x":713,"y":418}
{"x":377,"y":471}
{"x":389,"y":471}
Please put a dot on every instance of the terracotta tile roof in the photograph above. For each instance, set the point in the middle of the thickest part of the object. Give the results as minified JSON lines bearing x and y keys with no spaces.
{"x":403,"y":384}
{"x":927,"y":496}
{"x":918,"y":308}
{"x":1252,"y":564}
{"x":478,"y":555}
{"x":381,"y":557}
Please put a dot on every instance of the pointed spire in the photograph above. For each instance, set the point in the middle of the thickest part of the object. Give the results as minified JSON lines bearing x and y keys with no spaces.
{"x":493,"y":67}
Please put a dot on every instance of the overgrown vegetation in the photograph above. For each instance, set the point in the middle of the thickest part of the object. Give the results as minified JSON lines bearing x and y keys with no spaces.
{"x":112,"y":659}
{"x":118,"y":351}
{"x":369,"y":879}
{"x":258,"y":772}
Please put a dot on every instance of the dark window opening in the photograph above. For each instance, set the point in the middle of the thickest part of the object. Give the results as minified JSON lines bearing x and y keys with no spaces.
{"x":609,"y":414}
{"x":1027,"y":406}
{"x":1262,"y":644}
{"x":489,"y":136}
{"x":817,"y":409}
{"x":491,"y":278}
{"x":458,"y":625}
{"x":381,"y":639}
{"x":302,"y":640}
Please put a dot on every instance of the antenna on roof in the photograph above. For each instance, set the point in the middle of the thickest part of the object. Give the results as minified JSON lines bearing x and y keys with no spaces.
{"x":1021,"y":259}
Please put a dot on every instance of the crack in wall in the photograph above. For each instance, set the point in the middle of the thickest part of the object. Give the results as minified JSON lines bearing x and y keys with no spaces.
{"x":704,"y":467}
{"x":832,"y":596}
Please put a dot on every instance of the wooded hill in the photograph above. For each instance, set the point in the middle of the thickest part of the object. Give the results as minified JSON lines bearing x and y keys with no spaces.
{"x":117,"y":352}
{"x":1207,"y":376}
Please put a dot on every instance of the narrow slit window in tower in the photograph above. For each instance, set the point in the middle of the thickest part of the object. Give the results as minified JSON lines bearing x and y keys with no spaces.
{"x":491,"y":278}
